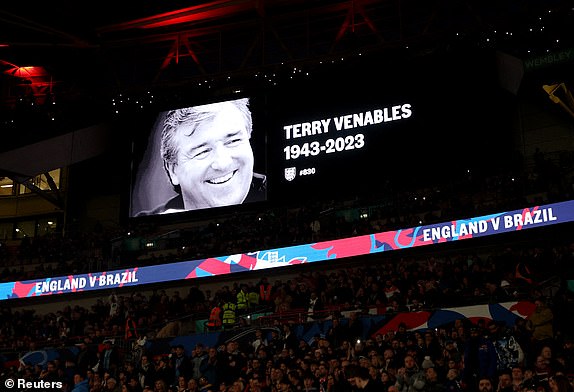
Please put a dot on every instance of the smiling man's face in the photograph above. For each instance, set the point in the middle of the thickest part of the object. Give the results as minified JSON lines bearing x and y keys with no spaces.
{"x":214,"y":161}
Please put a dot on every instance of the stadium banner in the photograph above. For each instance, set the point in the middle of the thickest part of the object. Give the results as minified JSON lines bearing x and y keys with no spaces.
{"x":461,"y":229}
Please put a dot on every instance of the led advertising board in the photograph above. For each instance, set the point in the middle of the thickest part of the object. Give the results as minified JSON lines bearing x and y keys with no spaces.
{"x":324,"y":251}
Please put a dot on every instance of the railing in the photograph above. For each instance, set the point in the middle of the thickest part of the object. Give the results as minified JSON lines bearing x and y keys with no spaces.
{"x":298,"y":316}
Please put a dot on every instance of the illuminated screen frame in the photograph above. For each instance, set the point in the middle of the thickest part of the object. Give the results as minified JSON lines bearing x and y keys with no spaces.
{"x":154,"y":189}
{"x":462,"y":229}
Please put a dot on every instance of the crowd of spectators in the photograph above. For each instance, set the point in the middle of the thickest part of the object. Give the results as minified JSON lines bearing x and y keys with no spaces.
{"x":527,"y":356}
{"x":534,"y":354}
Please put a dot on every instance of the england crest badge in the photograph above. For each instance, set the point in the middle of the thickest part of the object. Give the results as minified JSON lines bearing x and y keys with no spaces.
{"x":290,"y":173}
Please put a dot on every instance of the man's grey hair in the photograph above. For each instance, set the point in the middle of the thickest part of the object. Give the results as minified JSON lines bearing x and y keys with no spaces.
{"x":195,"y":115}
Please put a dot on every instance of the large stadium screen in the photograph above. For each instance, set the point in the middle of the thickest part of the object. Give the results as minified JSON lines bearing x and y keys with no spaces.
{"x":345,"y":132}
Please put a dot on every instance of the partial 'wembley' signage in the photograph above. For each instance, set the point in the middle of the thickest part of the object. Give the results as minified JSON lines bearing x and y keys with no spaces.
{"x":549,"y":59}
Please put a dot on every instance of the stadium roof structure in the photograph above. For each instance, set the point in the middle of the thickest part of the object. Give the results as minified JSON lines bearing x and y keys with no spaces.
{"x":70,"y":51}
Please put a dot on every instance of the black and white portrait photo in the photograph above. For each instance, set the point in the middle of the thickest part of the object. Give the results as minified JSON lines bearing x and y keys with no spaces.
{"x":204,"y":156}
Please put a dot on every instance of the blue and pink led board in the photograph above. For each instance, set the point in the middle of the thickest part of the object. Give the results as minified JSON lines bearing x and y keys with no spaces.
{"x":462,"y":229}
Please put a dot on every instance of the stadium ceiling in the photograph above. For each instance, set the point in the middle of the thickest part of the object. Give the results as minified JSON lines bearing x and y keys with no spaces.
{"x":80,"y":46}
{"x":87,"y":52}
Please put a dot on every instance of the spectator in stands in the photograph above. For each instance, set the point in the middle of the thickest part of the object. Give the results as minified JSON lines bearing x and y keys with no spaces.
{"x":275,"y":343}
{"x":215,"y":320}
{"x":360,"y":297}
{"x":315,"y":307}
{"x":542,"y":370}
{"x":495,"y":292}
{"x":180,"y":363}
{"x":285,"y":359}
{"x":299,"y":293}
{"x":112,"y":385}
{"x":253,"y":297}
{"x":309,"y":384}
{"x":567,"y":353}
{"x":337,"y":332}
{"x":321,"y":374}
{"x":505,"y":382}
{"x":163,"y":372}
{"x":432,"y":382}
{"x":402,"y":333}
{"x":380,"y":344}
{"x":254,"y":369}
{"x":133,"y":384}
{"x":375,"y":295}
{"x":409,"y":377}
{"x":390,"y":361}
{"x":517,"y":375}
{"x":80,"y":383}
{"x":210,"y":368}
{"x":288,"y":338}
{"x":529,"y":382}
{"x":97,"y":383}
{"x":354,"y":327}
{"x":181,"y":384}
{"x":259,"y":341}
{"x":242,"y":304}
{"x":86,"y":358}
{"x":197,"y":356}
{"x":547,"y":353}
{"x":229,"y":314}
{"x":451,"y":352}
{"x":387,"y":379}
{"x":196,"y":297}
{"x":192,"y":385}
{"x":145,"y":371}
{"x":430,"y":345}
{"x":175,"y":304}
{"x":109,"y":358}
{"x":295,"y":380}
{"x":254,"y":385}
{"x":359,"y":376}
{"x":485,"y":384}
{"x":453,"y":381}
{"x":540,"y":325}
{"x":508,"y":351}
{"x":131,"y":329}
{"x":480,"y":358}
{"x":50,"y":374}
{"x":375,"y":376}
{"x":274,"y":376}
{"x":390,"y":289}
{"x":115,"y":305}
{"x":208,"y":157}
{"x":265,"y":292}
{"x":282,"y":299}
{"x":560,"y":383}
{"x":232,"y":360}
{"x":206,"y":386}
